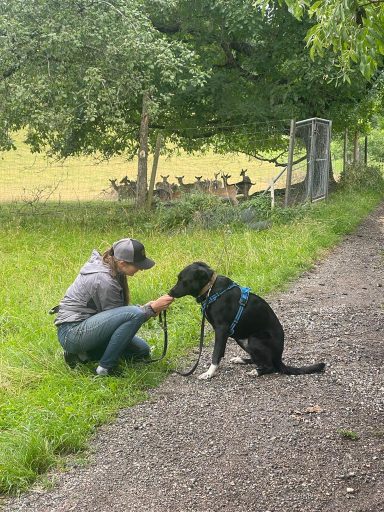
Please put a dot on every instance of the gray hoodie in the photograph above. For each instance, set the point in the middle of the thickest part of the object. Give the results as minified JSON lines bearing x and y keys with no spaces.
{"x":94,"y":290}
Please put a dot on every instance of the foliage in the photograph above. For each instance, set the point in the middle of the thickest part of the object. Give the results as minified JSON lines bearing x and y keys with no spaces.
{"x":259,"y":71}
{"x":354,"y":29}
{"x":75,"y":73}
{"x":359,"y":175}
{"x":375,"y":144}
{"x":197,"y":210}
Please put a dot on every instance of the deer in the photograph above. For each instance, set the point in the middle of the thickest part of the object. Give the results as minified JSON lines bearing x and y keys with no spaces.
{"x":164,"y":183}
{"x":228,"y":192}
{"x":203,"y":186}
{"x":169,"y":188}
{"x":185,"y":187}
{"x":216,"y":183}
{"x":245,"y":184}
{"x":130,"y":186}
{"x":120,"y":189}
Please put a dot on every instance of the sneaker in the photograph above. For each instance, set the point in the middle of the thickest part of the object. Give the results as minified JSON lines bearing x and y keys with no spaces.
{"x":107,"y":372}
{"x":71,"y":359}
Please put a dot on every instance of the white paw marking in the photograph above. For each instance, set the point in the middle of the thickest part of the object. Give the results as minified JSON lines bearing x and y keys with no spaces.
{"x":253,"y":373}
{"x":208,"y":374}
{"x":205,"y":376}
{"x":237,"y":360}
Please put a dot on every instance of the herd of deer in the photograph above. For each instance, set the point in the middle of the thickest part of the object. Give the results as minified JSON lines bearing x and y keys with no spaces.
{"x":166,"y":191}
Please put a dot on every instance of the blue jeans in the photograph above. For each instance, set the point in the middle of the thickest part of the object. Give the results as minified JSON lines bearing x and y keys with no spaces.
{"x":108,"y":336}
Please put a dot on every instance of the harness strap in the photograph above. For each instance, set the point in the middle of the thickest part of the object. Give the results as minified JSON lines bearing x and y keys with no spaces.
{"x":242,"y":303}
{"x":215,"y":296}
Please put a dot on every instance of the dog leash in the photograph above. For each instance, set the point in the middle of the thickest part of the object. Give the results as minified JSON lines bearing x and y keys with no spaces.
{"x":189,"y":372}
{"x":164,"y":326}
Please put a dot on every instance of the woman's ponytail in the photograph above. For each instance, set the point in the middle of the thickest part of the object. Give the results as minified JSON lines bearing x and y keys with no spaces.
{"x":109,"y":260}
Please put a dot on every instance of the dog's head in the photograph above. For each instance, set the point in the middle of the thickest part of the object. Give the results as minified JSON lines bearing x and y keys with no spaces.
{"x":192,"y":280}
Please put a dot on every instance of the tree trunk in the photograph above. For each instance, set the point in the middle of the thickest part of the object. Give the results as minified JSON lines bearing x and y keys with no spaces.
{"x":141,"y":190}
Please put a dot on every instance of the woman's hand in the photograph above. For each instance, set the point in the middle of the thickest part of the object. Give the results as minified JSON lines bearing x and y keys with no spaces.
{"x":161,"y":303}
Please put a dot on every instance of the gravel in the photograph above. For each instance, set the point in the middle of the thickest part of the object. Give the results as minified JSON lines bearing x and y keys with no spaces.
{"x":271,"y":444}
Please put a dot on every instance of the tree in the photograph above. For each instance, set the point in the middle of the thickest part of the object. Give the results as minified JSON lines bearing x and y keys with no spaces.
{"x":259,"y":75}
{"x":74,"y":73}
{"x":224,"y":75}
{"x":353,"y":29}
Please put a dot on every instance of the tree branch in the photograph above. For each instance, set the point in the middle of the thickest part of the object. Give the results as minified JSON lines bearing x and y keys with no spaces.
{"x":274,"y":160}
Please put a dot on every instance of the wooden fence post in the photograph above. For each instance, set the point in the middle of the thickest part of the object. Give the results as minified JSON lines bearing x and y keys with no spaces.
{"x":290,"y":162}
{"x":345,"y":150}
{"x":154,"y":170}
{"x":366,"y":150}
{"x":356,"y":149}
{"x":141,"y":190}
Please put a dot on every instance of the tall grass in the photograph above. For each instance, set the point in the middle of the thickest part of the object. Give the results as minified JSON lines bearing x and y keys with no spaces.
{"x":48,"y":410}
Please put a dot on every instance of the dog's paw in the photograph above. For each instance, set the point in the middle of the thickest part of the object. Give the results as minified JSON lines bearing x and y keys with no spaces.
{"x":237,"y":360}
{"x":205,"y":376}
{"x":253,"y":373}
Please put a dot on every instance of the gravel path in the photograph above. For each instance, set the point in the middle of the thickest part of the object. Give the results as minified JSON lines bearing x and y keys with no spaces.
{"x":269,"y":444}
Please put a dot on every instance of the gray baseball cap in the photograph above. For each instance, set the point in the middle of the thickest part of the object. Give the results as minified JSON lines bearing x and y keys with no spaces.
{"x":132,"y":251}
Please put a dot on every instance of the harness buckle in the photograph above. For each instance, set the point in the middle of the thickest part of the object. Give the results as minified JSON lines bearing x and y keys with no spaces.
{"x":244,"y":296}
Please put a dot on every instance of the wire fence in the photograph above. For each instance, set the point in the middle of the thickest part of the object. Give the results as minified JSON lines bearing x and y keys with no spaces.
{"x":31,"y":179}
{"x":27,"y":178}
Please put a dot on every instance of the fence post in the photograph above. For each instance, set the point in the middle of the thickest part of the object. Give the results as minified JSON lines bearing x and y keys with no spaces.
{"x":290,"y":162}
{"x":356,"y":149}
{"x":366,"y":150}
{"x":154,"y":170}
{"x":345,"y":150}
{"x":329,"y":158}
{"x":272,"y":194}
{"x":141,"y":187}
{"x":311,"y":160}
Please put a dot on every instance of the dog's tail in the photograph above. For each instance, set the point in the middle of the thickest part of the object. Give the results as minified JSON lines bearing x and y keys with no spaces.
{"x":303,"y":370}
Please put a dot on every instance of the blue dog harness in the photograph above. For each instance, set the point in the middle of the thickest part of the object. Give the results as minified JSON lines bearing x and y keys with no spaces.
{"x":242,"y":303}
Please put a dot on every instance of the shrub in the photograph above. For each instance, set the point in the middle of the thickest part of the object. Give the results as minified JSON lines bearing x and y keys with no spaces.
{"x":204,"y":210}
{"x":359,"y":175}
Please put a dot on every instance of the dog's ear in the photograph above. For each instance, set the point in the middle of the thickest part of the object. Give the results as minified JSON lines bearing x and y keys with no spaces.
{"x":203,"y":274}
{"x":202,"y":264}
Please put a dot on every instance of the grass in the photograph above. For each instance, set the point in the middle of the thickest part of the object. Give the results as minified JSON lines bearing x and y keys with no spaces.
{"x":348,"y":434}
{"x":48,"y":410}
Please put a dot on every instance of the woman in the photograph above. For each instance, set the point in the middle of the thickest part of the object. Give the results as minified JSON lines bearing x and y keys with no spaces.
{"x":94,"y":319}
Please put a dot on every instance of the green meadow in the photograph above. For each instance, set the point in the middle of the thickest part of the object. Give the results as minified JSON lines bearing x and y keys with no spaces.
{"x":48,"y":410}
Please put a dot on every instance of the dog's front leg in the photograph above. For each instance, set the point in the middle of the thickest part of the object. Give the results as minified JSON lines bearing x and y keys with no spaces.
{"x":221,"y":336}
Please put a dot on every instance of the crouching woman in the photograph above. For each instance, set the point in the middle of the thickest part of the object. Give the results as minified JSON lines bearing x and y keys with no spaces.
{"x":95,"y":320}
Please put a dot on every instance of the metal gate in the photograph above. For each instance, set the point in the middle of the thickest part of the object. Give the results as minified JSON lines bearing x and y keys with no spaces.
{"x":308,"y":161}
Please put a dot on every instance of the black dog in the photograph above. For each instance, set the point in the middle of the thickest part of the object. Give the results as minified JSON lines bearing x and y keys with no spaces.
{"x":258,"y":330}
